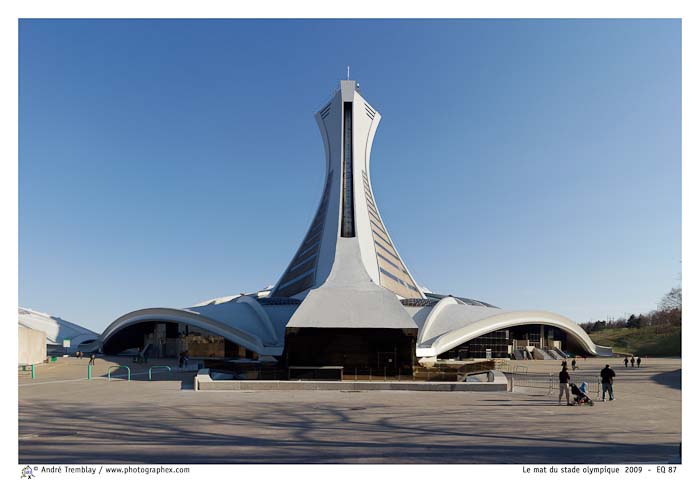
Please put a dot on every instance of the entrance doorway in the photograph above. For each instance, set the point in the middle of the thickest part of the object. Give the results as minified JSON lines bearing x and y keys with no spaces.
{"x":357,"y":350}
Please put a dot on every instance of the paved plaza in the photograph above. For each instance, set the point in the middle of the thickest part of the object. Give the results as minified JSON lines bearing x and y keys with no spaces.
{"x":64,"y":418}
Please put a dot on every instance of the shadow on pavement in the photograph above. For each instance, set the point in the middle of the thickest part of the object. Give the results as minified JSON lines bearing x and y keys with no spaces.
{"x":670,"y":379}
{"x":185,"y":435}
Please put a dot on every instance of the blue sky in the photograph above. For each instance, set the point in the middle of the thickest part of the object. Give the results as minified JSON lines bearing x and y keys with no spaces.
{"x":530,"y":164}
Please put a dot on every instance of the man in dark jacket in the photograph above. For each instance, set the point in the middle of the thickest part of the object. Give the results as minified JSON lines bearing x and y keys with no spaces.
{"x":606,"y":377}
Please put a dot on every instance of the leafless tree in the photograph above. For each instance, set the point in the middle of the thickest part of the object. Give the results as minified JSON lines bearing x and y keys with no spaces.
{"x":672,"y":300}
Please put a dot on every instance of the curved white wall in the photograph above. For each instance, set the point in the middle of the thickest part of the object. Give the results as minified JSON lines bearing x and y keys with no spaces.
{"x":241,"y":337}
{"x":461,"y":323}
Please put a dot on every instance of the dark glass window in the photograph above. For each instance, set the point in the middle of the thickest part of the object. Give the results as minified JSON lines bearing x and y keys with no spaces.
{"x":496,"y":341}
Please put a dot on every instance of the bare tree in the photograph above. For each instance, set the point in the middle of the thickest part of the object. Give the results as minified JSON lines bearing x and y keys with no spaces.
{"x":672,"y":300}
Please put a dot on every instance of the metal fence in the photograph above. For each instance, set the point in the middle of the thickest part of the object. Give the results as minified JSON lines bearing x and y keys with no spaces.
{"x":549,"y":383}
{"x":27,"y":370}
{"x":518,"y":376}
{"x":348,"y":374}
{"x":508,"y":367}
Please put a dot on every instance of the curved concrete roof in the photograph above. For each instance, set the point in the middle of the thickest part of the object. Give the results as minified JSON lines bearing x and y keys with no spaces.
{"x":452,"y":322}
{"x":56,"y":328}
{"x":241,"y":319}
{"x":260,"y":327}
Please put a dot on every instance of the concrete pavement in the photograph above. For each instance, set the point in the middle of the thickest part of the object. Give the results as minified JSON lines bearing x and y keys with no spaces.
{"x":97,"y":421}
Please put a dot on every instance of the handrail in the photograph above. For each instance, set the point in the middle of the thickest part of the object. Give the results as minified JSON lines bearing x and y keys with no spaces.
{"x":128,"y":372}
{"x":29,"y":368}
{"x":157,"y":367}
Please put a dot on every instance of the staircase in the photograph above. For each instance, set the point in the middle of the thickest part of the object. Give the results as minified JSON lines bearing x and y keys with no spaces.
{"x":561,"y":353}
{"x":521,"y":354}
{"x":141,"y":354}
{"x":553,"y":354}
{"x":542,"y":355}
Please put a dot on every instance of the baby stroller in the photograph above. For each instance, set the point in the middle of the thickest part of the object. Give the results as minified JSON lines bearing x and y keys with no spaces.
{"x":580,"y":395}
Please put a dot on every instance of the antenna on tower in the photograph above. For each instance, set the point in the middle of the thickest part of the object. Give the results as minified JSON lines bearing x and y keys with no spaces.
{"x":348,"y":72}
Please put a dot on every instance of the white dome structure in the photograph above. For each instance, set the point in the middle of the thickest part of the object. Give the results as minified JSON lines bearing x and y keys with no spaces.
{"x":55,"y":328}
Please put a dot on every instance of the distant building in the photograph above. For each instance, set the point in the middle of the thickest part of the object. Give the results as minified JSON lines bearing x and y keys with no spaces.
{"x":56,"y":330}
{"x":32,"y":346}
{"x":347,"y":297}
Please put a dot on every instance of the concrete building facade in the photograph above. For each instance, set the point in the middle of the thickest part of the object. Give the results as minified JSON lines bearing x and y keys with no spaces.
{"x":32,"y":346}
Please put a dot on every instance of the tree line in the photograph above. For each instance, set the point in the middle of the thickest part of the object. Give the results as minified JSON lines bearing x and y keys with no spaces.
{"x":668,"y":314}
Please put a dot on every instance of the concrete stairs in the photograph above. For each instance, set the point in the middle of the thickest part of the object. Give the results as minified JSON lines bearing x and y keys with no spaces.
{"x":541,"y":355}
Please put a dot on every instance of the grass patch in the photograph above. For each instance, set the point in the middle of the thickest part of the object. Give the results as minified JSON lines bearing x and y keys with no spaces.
{"x":644,"y":341}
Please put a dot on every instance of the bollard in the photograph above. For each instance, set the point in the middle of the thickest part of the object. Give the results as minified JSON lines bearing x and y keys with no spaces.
{"x":33,"y":372}
{"x":157,"y":367}
{"x":89,"y":371}
{"x":128,"y":372}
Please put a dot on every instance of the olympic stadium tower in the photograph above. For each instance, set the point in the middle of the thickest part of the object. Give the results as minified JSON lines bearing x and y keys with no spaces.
{"x":347,"y":298}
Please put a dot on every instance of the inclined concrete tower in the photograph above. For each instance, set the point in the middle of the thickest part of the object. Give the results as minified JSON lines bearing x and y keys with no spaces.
{"x":347,"y":224}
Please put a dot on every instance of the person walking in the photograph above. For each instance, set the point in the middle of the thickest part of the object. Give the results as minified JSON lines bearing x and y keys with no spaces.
{"x":564,"y":379}
{"x":92,"y":359}
{"x":626,"y":361}
{"x":573,"y":365}
{"x":606,"y":377}
{"x":639,"y":361}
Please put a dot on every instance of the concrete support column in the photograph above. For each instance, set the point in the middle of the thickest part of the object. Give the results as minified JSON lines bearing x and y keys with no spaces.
{"x":541,"y":336}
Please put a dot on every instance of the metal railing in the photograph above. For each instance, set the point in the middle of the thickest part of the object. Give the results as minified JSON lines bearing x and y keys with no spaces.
{"x":31,"y":368}
{"x":109,"y":372}
{"x":508,"y":367}
{"x":550,"y":382}
{"x":150,"y":370}
{"x":378,"y":374}
{"x":348,"y":374}
{"x":592,"y":382}
{"x":532,"y":381}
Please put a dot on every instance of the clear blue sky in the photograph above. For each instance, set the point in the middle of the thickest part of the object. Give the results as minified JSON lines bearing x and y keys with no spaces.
{"x":530,"y":164}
